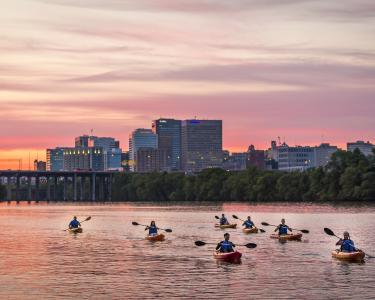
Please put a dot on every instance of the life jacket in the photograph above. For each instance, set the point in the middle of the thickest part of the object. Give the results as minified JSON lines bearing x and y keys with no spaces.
{"x":226,"y":246}
{"x":223,"y":221}
{"x":74,"y":224}
{"x":248,"y":224}
{"x":283,"y":229}
{"x":152,"y":230}
{"x":347,"y":246}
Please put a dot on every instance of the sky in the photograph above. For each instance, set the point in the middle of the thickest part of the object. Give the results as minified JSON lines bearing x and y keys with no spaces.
{"x":303,"y":70}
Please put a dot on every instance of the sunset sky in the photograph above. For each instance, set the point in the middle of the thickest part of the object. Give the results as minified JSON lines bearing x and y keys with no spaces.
{"x":299,"y":69}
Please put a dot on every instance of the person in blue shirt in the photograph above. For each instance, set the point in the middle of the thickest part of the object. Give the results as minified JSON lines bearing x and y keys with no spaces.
{"x":152,"y":229}
{"x":248,"y":223}
{"x":283,"y":228}
{"x":74,"y":223}
{"x":347,"y":245}
{"x":226,"y":245}
{"x":223,"y":220}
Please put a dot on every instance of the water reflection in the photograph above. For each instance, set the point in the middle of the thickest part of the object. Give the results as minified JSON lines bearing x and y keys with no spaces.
{"x":111,"y":259}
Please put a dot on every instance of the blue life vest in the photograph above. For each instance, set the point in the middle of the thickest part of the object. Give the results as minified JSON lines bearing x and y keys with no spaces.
{"x":283,"y":229}
{"x":347,"y":246}
{"x":223,"y":221}
{"x":248,"y":224}
{"x":226,"y":246}
{"x":152,"y":230}
{"x":74,"y":224}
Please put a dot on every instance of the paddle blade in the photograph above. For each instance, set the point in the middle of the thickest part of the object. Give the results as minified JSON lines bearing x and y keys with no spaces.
{"x":262,"y":230}
{"x":216,"y":217}
{"x":305,"y":231}
{"x":88,"y":218}
{"x":329,"y":231}
{"x":168,"y":230}
{"x":135,"y":223}
{"x":235,"y":217}
{"x":199,"y":243}
{"x":251,"y":245}
{"x":265,"y":224}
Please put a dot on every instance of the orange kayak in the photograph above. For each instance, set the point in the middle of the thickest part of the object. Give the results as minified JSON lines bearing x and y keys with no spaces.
{"x":287,"y":237}
{"x":76,"y":230}
{"x":226,"y":226}
{"x":250,"y":230}
{"x":349,"y":256}
{"x":228,"y":257}
{"x":156,"y":238}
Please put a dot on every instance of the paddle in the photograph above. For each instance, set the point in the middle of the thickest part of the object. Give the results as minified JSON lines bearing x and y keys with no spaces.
{"x":166,"y":230}
{"x":216,"y":217}
{"x":87,"y":219}
{"x":302,"y":230}
{"x":248,"y":245}
{"x":235,"y":217}
{"x":331,"y":233}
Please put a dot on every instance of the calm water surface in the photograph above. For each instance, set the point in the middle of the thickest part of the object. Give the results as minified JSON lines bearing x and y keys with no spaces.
{"x":111,"y":259}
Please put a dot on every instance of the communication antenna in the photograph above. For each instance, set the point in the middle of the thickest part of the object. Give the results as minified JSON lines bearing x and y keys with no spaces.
{"x":278,"y":138}
{"x":91,"y":131}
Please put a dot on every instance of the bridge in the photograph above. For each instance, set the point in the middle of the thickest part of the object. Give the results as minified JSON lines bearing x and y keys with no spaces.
{"x":57,"y":186}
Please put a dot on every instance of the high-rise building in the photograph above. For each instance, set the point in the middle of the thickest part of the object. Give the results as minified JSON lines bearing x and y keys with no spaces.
{"x":140,"y":138}
{"x":82,"y":141}
{"x":85,"y":158}
{"x":55,"y":159}
{"x":365,"y":148}
{"x":201,"y":144}
{"x":323,"y":154}
{"x":169,"y":140}
{"x":151,"y":160}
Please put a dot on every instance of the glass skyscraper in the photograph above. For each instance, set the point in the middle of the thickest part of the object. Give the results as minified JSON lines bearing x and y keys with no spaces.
{"x":169,"y":140}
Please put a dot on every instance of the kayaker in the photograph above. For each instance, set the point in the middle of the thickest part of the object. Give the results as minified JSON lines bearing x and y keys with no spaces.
{"x":223,"y":220}
{"x":226,"y":245}
{"x":282,"y":228}
{"x":248,"y":223}
{"x":152,"y":229}
{"x":347,"y":245}
{"x":74,"y":223}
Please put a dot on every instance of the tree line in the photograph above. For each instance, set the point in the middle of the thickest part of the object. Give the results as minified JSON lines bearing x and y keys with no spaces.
{"x":349,"y":176}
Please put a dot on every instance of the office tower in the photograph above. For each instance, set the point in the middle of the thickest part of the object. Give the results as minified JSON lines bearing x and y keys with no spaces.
{"x":365,"y":148}
{"x":151,"y":160}
{"x":55,"y":159}
{"x":169,"y":140}
{"x":82,"y":141}
{"x":201,"y":144}
{"x":83,"y":158}
{"x":140,"y":138}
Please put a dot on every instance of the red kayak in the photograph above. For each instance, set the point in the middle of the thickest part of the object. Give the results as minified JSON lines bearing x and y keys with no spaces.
{"x":228,"y":257}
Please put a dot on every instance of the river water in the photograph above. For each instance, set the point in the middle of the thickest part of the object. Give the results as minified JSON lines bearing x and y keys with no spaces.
{"x":111,"y":259}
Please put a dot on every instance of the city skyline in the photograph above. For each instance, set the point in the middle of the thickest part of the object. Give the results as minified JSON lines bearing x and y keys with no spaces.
{"x":70,"y":66}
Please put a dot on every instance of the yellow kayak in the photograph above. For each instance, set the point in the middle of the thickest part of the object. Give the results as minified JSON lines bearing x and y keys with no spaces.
{"x":348,"y":256}
{"x":156,"y":238}
{"x":250,"y":230}
{"x":287,"y":237}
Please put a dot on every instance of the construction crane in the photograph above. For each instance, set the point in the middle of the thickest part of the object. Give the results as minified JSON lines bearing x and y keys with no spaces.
{"x":12,"y":161}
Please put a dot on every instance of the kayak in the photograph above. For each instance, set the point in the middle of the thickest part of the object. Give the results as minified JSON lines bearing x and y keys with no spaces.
{"x":349,"y":256}
{"x":287,"y":237}
{"x":156,"y":238}
{"x":226,"y":226}
{"x":228,"y":257}
{"x":75,"y":230}
{"x":250,"y":230}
